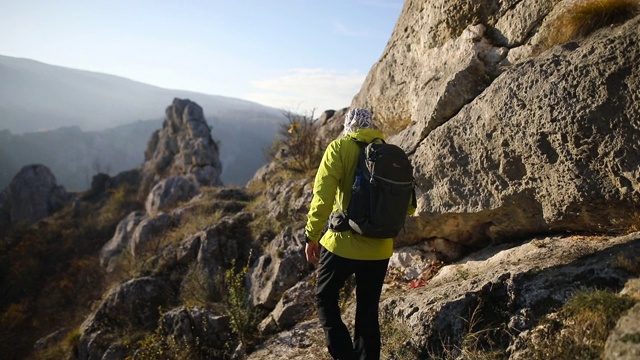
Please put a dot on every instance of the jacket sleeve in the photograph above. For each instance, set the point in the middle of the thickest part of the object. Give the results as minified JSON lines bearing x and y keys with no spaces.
{"x":328,"y":179}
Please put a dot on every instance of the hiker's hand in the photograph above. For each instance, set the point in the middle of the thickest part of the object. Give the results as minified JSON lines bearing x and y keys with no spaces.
{"x":312,"y":251}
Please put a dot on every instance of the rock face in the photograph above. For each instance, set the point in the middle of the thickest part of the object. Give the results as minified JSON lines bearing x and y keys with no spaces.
{"x":549,"y":145}
{"x":168,"y":193}
{"x":121,"y":239}
{"x":32,"y":195}
{"x":133,"y":304}
{"x":191,"y":325}
{"x":281,"y":267}
{"x":183,"y":146}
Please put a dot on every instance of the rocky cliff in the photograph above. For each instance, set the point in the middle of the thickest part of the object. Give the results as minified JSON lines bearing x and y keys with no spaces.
{"x":505,"y":143}
{"x":524,"y":245}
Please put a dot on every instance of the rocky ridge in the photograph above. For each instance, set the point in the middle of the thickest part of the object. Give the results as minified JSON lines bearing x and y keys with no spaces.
{"x":527,"y":172}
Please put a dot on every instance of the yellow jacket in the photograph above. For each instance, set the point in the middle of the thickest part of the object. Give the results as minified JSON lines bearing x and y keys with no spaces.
{"x":331,"y":192}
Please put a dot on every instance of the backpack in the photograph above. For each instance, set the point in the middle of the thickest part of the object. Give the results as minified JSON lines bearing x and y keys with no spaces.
{"x":382,"y":190}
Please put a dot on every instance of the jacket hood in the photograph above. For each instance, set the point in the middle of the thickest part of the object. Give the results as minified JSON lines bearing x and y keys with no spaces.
{"x":366,"y":135}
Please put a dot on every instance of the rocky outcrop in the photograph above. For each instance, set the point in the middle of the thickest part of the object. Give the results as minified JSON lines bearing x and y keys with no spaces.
{"x":555,"y":155}
{"x":512,"y":285}
{"x":281,"y":267}
{"x":183,"y":146}
{"x":504,"y":147}
{"x":121,"y":239}
{"x":192,"y":325}
{"x":102,"y":183}
{"x":132,"y":305}
{"x":296,"y":305}
{"x":168,"y":193}
{"x":180,"y":159}
{"x":33,"y":194}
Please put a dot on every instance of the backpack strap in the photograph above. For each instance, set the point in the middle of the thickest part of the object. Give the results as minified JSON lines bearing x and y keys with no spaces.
{"x":339,"y":221}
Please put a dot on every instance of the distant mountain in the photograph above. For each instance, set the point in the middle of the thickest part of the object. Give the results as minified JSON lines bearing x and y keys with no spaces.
{"x":75,"y":156}
{"x":36,"y":97}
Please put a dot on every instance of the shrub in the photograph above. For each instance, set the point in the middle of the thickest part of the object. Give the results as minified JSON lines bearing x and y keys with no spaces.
{"x":582,"y":327}
{"x":157,"y":346}
{"x":584,"y":17}
{"x":197,"y":287}
{"x":117,"y":204}
{"x":243,"y":317}
{"x":297,"y":146}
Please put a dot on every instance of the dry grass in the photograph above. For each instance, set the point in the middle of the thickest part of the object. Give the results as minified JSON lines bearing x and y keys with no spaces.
{"x":396,"y":340}
{"x":197,"y":287}
{"x":583,"y":325}
{"x":631,"y":265}
{"x":584,"y":17}
{"x":392,"y":124}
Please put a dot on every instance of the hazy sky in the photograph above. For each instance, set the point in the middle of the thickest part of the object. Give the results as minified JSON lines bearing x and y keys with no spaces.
{"x":293,"y":54}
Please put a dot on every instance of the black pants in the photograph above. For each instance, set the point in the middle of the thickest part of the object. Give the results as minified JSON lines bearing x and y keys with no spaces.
{"x":333,"y":271}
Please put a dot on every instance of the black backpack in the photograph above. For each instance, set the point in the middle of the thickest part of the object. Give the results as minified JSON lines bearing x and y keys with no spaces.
{"x":382,"y":190}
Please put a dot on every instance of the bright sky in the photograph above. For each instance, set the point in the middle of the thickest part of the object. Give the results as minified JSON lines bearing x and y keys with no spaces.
{"x":297,"y":55}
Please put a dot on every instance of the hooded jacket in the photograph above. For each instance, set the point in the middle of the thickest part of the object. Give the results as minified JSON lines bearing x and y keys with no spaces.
{"x":332,"y":191}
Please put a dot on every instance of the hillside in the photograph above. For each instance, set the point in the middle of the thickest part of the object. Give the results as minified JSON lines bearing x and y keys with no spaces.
{"x":35,"y":96}
{"x":78,"y":122}
{"x":75,"y":156}
{"x":522,"y":124}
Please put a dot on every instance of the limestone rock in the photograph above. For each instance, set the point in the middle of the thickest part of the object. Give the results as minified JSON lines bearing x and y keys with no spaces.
{"x":299,"y":343}
{"x":462,"y":67}
{"x":517,"y":24}
{"x":133,"y":304}
{"x":191,"y":326}
{"x":33,"y":194}
{"x":168,"y":193}
{"x":502,"y":282}
{"x":121,"y":239}
{"x":437,"y":60}
{"x":559,"y":152}
{"x":183,"y":146}
{"x":148,"y":230}
{"x":624,"y":341}
{"x":296,"y":305}
{"x":280,"y":268}
{"x":331,"y":125}
{"x":225,"y":241}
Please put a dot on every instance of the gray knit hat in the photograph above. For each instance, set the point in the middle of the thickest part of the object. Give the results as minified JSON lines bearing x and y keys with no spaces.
{"x":356,"y":119}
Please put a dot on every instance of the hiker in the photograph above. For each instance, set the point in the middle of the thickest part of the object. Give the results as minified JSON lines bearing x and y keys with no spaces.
{"x":340,"y":254}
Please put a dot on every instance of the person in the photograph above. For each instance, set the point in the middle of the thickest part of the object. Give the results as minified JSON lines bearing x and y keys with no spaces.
{"x":339,"y":255}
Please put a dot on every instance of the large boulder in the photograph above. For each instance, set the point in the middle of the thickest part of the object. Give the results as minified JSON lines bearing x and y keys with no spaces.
{"x":280,"y":268}
{"x":134,"y":304}
{"x":121,"y":239}
{"x":32,"y":195}
{"x":168,"y":193}
{"x":551,"y":145}
{"x":509,"y":145}
{"x":183,"y":146}
{"x":296,"y":305}
{"x":195,"y":327}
